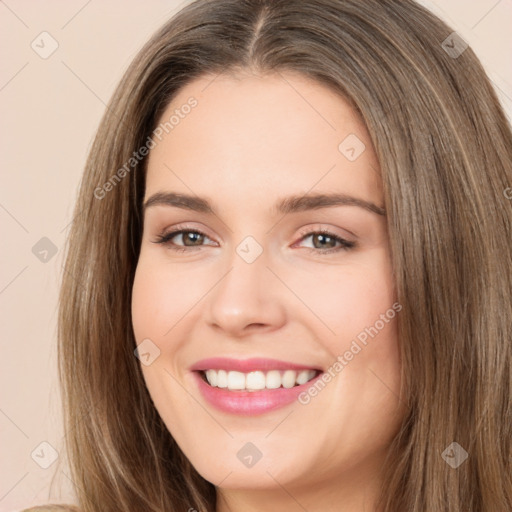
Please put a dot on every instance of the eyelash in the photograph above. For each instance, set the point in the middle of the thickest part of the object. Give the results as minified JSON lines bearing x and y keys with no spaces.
{"x":345,"y":244}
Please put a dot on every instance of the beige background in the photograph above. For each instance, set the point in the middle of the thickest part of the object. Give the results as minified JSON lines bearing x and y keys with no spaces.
{"x":50,"y":109}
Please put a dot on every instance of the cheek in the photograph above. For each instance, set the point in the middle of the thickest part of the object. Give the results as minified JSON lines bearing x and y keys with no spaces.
{"x":147,"y":294}
{"x":159,"y":298}
{"x":348,"y":298}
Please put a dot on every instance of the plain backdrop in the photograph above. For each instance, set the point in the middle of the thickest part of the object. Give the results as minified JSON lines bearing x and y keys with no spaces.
{"x":51,"y":104}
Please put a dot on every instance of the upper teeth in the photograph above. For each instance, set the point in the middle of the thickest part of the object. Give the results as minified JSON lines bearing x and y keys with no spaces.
{"x":258,"y":380}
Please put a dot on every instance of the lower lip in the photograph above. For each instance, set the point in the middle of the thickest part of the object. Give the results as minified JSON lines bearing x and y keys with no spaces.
{"x":250,"y":403}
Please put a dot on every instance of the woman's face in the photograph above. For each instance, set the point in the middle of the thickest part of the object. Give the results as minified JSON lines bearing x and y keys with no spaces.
{"x":251,"y":169}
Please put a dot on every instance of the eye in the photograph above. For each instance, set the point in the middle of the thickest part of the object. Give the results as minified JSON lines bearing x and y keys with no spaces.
{"x":324,"y":242}
{"x":188,"y":236}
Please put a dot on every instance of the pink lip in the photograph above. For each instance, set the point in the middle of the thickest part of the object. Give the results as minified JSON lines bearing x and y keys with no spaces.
{"x":247,"y":365}
{"x":248,"y":403}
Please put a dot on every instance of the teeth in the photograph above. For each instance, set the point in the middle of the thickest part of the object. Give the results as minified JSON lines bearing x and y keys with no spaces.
{"x":273,"y":379}
{"x":252,"y":381}
{"x":303,"y":377}
{"x":289,"y":378}
{"x":222,"y":378}
{"x":255,"y":380}
{"x":211,"y":377}
{"x":236,"y":380}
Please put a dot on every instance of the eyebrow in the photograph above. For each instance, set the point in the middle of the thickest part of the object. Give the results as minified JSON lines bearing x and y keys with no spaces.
{"x":291,"y":204}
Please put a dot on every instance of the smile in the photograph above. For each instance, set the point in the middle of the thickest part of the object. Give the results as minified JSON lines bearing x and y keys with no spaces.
{"x":251,"y":386}
{"x":257,"y":380}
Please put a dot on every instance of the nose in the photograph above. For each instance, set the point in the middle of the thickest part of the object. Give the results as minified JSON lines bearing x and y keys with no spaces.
{"x":247,"y":299}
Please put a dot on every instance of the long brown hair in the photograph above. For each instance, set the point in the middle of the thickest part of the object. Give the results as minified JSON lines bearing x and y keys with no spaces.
{"x":445,"y":151}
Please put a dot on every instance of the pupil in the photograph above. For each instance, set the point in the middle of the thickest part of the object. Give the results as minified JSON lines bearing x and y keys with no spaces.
{"x":322,"y":238}
{"x":192,"y":235}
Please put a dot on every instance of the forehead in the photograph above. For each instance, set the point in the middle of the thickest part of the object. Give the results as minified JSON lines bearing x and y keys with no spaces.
{"x":262,"y":136}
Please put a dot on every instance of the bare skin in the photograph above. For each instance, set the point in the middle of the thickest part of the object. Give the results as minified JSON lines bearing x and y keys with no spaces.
{"x":250,"y":141}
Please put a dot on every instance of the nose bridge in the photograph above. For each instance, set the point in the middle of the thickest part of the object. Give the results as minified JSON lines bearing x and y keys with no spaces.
{"x":246,"y":294}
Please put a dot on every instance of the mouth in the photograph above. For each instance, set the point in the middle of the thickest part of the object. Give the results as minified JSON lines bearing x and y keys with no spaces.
{"x":257,"y":380}
{"x":251,"y":387}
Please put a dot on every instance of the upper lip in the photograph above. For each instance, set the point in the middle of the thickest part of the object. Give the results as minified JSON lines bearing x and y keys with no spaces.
{"x":248,"y":365}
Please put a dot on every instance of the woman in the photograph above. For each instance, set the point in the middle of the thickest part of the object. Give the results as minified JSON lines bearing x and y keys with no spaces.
{"x":288,"y":278}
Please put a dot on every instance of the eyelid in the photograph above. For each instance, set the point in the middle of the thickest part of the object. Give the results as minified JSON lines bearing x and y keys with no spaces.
{"x":345,"y":244}
{"x":309,"y":230}
{"x":302,"y":232}
{"x":179,"y":229}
